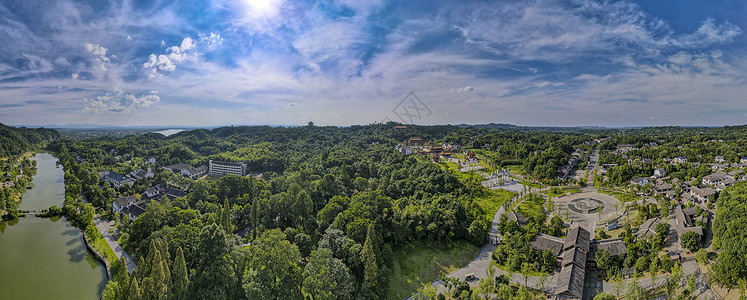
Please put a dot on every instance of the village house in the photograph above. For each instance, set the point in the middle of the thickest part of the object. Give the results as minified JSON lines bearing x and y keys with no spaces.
{"x":679,"y":160}
{"x":177,"y":168}
{"x":648,"y":228}
{"x":684,"y":221}
{"x":720,"y":159}
{"x":414,"y":141}
{"x":140,"y":174}
{"x":660,"y":173}
{"x":714,"y":179}
{"x":637,"y":180}
{"x":150,"y":160}
{"x":702,"y":195}
{"x":122,"y":202}
{"x":662,"y":188}
{"x":133,"y":211}
{"x":195,"y":173}
{"x":625,"y":148}
{"x":117,"y":180}
{"x":405,"y":150}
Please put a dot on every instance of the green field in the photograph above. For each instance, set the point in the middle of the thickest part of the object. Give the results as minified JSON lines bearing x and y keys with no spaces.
{"x":420,"y":263}
{"x":102,"y":247}
{"x":489,"y":200}
{"x":622,"y":196}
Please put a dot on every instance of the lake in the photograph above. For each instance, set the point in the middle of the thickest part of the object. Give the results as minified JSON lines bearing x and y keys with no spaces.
{"x":169,"y":132}
{"x":49,"y":184}
{"x":45,"y":258}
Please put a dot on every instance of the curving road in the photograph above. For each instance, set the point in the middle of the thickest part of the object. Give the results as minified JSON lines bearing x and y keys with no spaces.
{"x":479,"y":265}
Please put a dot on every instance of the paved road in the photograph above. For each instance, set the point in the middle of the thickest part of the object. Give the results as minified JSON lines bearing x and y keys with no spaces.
{"x":104,"y":227}
{"x":593,"y":165}
{"x":479,"y":265}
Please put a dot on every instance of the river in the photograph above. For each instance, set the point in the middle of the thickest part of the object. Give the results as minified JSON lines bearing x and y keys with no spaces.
{"x":45,"y":258}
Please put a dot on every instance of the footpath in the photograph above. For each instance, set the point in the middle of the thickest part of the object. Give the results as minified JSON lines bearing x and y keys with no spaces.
{"x":105,"y":227}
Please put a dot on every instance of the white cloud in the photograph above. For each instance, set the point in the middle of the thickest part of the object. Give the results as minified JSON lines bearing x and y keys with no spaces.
{"x":99,"y":56}
{"x":119,"y":101}
{"x":211,"y":40}
{"x":709,"y":33}
{"x":75,"y":76}
{"x":465,"y":89}
{"x":186,"y":51}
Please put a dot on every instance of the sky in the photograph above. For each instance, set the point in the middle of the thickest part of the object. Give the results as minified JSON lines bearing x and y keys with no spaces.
{"x":343,"y":62}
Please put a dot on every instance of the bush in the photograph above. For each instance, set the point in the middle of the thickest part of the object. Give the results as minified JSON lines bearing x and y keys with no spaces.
{"x":702,"y":256}
{"x":691,"y":241}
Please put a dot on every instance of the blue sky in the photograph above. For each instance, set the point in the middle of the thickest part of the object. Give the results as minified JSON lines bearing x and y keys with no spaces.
{"x":341,"y":62}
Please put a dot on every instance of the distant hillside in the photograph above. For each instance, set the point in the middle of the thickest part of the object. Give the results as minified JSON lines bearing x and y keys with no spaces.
{"x":491,"y":126}
{"x":16,"y":140}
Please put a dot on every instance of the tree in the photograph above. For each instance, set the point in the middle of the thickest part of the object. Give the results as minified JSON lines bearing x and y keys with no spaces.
{"x":603,"y":259}
{"x":691,"y":283}
{"x":180,"y":278}
{"x":478,"y":231}
{"x":556,"y":223}
{"x":605,"y":296}
{"x":213,"y":275}
{"x":225,"y":218}
{"x":691,"y":241}
{"x":326,"y":277}
{"x":702,"y":256}
{"x":635,"y":291}
{"x":525,"y":269}
{"x":654,"y":270}
{"x":670,"y":285}
{"x":662,"y":233}
{"x":134,"y":293}
{"x":273,"y":271}
{"x":371,"y":288}
{"x":110,"y":291}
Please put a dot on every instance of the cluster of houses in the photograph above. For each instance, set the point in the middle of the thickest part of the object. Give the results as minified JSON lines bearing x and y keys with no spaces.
{"x":566,"y":170}
{"x":575,"y":254}
{"x":710,"y":185}
{"x":133,"y":206}
{"x":187,"y":170}
{"x":117,"y":180}
{"x":416,"y":145}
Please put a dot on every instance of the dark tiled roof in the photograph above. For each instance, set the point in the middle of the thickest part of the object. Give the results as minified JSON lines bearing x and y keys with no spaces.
{"x":124,"y":201}
{"x":547,"y":242}
{"x":614,"y":246}
{"x":175,"y":193}
{"x":574,"y":256}
{"x":114,"y":176}
{"x":578,"y":237}
{"x":516,"y":216}
{"x":571,"y":281}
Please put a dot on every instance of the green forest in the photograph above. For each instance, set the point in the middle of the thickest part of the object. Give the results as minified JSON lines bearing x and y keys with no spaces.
{"x":331,"y":212}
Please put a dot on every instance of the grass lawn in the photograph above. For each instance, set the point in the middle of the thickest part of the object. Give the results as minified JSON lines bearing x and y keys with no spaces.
{"x":515,"y":168}
{"x":103,"y":248}
{"x":622,"y":196}
{"x":420,"y":263}
{"x":490,"y":200}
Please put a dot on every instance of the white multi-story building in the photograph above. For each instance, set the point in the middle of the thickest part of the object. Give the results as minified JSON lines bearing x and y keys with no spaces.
{"x":220,"y":168}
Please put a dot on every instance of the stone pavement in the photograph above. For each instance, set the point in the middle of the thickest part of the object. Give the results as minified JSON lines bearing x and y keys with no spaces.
{"x":104,"y":228}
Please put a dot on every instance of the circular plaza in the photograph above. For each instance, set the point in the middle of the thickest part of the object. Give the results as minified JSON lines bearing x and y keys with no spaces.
{"x":588,"y":208}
